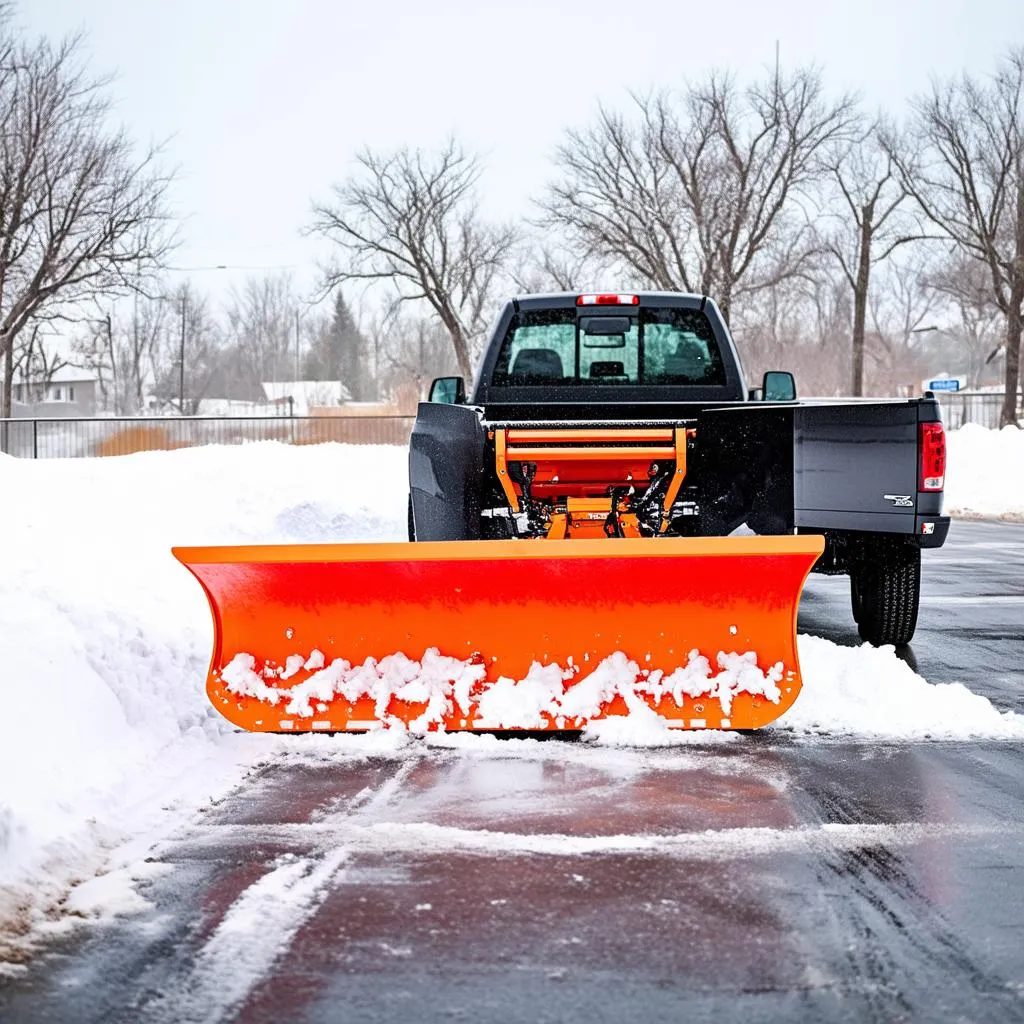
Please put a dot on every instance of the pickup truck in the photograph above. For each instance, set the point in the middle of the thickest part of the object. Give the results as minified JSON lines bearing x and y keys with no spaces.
{"x":628,"y":415}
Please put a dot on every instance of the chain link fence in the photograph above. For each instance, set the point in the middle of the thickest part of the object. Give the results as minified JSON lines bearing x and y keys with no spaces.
{"x":80,"y":438}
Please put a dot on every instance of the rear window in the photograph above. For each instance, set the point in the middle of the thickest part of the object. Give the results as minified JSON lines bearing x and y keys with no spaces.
{"x":651,"y":346}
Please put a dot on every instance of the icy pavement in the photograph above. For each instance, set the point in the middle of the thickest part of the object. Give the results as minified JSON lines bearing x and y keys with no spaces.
{"x":456,"y":877}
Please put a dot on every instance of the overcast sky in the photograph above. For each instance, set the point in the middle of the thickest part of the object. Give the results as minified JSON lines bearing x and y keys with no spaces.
{"x":264,"y":104}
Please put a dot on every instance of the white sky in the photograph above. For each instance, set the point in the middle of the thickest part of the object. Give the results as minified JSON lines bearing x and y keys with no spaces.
{"x":265,"y":103}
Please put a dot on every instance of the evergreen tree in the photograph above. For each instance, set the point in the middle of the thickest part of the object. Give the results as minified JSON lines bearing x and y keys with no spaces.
{"x":341,"y":352}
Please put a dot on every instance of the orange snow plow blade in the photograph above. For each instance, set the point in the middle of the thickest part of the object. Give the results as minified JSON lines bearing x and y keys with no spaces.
{"x":504,"y":634}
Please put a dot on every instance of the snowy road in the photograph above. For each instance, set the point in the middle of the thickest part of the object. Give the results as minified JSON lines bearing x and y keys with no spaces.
{"x":769,"y":878}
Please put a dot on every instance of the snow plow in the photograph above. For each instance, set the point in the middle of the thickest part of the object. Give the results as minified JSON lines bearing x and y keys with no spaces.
{"x":610,"y":522}
{"x":494,"y":635}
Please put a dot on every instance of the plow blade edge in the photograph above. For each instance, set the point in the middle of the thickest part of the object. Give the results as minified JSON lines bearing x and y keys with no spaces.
{"x":504,"y":634}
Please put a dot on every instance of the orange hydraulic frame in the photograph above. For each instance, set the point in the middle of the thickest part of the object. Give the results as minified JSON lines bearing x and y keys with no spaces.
{"x":576,"y":468}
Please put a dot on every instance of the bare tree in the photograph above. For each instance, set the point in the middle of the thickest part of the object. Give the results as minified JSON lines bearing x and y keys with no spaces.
{"x":874,"y":223}
{"x":189,"y":358}
{"x":123,"y":350}
{"x":262,"y":329}
{"x":899,"y":309}
{"x":701,"y":192}
{"x":545,"y":267}
{"x":93,"y":350}
{"x":36,"y":364}
{"x":418,"y":350}
{"x":410,"y":218}
{"x":978,"y":330}
{"x":801,"y":325}
{"x":964,"y":165}
{"x":80,"y":213}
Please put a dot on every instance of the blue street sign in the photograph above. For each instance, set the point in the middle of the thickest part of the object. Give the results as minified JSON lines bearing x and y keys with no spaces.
{"x":944,"y":384}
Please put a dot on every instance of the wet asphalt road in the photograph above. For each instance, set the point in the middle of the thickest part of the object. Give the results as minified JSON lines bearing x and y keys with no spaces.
{"x":763,"y":879}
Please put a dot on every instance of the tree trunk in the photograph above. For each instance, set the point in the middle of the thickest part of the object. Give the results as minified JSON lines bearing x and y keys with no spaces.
{"x":5,"y":401}
{"x":860,"y":296}
{"x":1011,"y":380}
{"x":724,"y":302}
{"x":5,"y":405}
{"x":461,"y":350}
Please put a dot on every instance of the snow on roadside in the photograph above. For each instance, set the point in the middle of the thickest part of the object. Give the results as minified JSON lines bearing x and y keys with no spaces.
{"x":848,"y":692}
{"x":107,"y":737}
{"x":985,"y":472}
{"x":868,"y":692}
{"x":105,"y":638}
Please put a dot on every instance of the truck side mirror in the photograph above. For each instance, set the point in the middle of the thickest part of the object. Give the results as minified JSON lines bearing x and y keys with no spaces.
{"x":778,"y":386}
{"x":448,"y":391}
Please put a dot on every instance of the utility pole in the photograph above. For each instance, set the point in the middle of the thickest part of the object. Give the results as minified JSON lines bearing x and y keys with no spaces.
{"x":419,"y":369}
{"x":181,"y":366}
{"x":113,"y":364}
{"x":296,"y":344}
{"x":376,"y":362}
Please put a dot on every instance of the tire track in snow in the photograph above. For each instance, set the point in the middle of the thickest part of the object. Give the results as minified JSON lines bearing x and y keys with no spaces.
{"x":256,"y":930}
{"x":259,"y":927}
{"x":371,"y":799}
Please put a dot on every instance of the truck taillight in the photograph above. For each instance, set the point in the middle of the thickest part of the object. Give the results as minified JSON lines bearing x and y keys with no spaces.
{"x":608,"y":300}
{"x":932,"y":455}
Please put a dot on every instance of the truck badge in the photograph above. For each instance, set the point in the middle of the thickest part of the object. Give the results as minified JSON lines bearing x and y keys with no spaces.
{"x":900,"y":500}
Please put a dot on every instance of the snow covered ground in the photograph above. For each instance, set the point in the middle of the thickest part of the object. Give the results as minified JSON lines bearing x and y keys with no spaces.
{"x":107,"y":740}
{"x":985,"y":474}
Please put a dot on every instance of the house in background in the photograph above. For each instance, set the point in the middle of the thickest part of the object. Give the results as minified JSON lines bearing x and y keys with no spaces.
{"x":298,"y":397}
{"x":70,"y":392}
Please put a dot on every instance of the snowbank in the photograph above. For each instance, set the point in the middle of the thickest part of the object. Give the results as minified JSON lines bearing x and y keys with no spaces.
{"x":105,"y":640}
{"x":985,"y":472}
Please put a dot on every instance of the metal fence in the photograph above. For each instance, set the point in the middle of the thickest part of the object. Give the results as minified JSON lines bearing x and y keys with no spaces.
{"x":80,"y":437}
{"x":981,"y":407}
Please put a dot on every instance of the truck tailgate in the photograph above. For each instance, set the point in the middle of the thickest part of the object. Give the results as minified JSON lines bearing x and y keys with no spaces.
{"x":855,"y":466}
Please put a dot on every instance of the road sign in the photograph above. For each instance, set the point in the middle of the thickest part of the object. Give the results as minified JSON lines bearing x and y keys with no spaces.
{"x":944,"y":384}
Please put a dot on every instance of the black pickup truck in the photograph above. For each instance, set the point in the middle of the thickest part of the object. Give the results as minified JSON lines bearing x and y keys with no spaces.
{"x":629,"y":415}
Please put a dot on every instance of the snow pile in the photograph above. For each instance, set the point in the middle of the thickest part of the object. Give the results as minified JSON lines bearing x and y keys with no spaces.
{"x":435,"y":682}
{"x":547,"y":693}
{"x":863,"y":692}
{"x":105,"y":639}
{"x":869,"y":692}
{"x":985,"y":472}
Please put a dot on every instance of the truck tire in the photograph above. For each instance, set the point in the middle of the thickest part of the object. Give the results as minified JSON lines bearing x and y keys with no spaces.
{"x":885,"y":593}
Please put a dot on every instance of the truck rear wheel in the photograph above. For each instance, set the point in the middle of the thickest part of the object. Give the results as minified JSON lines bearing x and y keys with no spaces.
{"x":885,"y":592}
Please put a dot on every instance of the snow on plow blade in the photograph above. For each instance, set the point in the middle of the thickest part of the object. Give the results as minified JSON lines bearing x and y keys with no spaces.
{"x":504,"y":634}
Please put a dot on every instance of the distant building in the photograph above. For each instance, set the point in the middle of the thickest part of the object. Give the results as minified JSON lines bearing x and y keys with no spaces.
{"x":236,"y":407}
{"x":71,"y":392}
{"x":297,"y":397}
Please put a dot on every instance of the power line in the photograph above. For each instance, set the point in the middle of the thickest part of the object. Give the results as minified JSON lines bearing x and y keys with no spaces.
{"x":233,"y":266}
